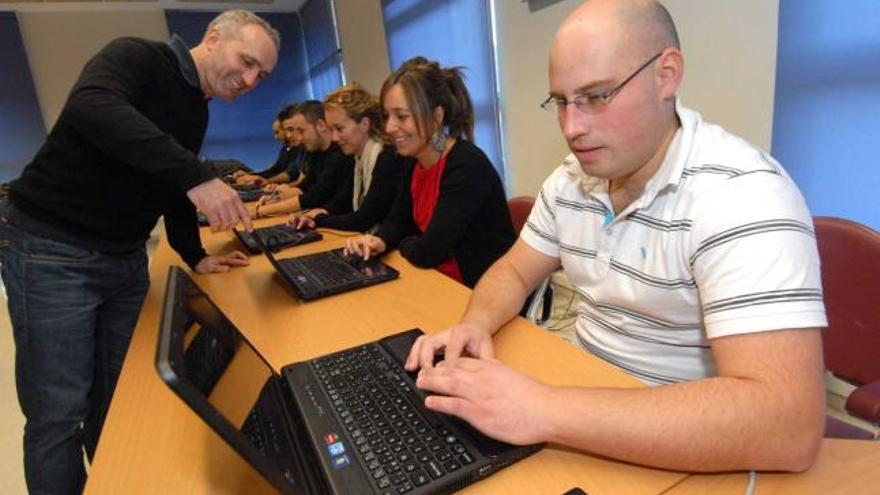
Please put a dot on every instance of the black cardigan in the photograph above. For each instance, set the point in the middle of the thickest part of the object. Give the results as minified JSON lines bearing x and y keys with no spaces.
{"x":471,"y":220}
{"x":326,"y":173}
{"x":377,"y":202}
{"x":288,"y":159}
{"x":122,"y":153}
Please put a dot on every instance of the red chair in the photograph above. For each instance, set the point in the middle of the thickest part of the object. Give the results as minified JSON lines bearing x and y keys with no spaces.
{"x":850,"y":256}
{"x":520,"y":207}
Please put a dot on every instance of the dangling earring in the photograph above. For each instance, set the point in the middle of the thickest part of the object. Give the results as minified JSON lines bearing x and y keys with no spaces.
{"x":438,"y":139}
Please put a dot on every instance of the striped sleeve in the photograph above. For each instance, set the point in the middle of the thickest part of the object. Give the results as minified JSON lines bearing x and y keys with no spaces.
{"x":754,"y":257}
{"x":540,"y":230}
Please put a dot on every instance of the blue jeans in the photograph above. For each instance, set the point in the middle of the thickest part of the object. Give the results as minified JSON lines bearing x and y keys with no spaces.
{"x":73,"y":312}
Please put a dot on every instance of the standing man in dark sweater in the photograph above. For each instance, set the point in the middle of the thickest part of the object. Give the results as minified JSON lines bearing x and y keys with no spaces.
{"x":122,"y":154}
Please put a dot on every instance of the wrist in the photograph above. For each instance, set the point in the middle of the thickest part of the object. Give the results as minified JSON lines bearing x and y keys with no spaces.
{"x":478,"y":325}
{"x":549,"y":423}
{"x":548,"y":399}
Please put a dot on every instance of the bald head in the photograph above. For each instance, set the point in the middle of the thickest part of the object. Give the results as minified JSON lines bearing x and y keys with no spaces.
{"x":618,"y":63}
{"x":645,"y":26}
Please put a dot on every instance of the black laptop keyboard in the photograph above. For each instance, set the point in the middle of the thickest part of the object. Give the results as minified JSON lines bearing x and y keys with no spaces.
{"x":277,"y":237}
{"x":259,"y":430}
{"x":259,"y":427}
{"x":401,"y":446}
{"x":281,"y":236}
{"x":324,"y":270}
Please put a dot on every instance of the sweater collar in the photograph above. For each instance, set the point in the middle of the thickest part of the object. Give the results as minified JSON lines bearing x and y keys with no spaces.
{"x":185,"y":61}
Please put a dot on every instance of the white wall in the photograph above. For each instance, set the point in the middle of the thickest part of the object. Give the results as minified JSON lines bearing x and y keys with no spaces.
{"x":730,"y":56}
{"x":59,"y":44}
{"x":729,"y":47}
{"x":532,"y":142}
{"x":730,"y":62}
{"x":362,"y":36}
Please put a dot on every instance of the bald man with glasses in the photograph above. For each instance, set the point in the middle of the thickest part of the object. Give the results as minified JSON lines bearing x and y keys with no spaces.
{"x":694,"y":259}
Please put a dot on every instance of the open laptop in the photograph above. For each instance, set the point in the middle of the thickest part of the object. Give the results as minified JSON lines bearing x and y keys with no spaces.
{"x":348,"y":422}
{"x":329,"y":272}
{"x":248,"y":192}
{"x":275,"y":237}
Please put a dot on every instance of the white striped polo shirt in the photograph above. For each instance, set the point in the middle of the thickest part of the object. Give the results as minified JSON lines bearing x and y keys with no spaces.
{"x":721,"y":242}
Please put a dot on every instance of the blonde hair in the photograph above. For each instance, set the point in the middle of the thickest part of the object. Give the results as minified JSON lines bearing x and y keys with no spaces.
{"x":358,"y":103}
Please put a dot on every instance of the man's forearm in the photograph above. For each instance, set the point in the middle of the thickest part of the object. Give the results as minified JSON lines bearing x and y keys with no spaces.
{"x":714,"y":424}
{"x":281,"y":178}
{"x":501,"y":292}
{"x":497,"y":297}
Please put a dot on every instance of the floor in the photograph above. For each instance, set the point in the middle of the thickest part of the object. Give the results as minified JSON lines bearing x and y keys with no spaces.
{"x":11,"y":420}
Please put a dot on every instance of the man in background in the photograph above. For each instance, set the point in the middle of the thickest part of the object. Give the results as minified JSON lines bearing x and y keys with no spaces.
{"x":290,"y":157}
{"x":122,"y":153}
{"x":326,"y":168}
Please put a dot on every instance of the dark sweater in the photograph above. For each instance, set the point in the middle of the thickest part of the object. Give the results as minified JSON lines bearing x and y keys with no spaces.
{"x":326,"y":173}
{"x":288,"y":161}
{"x":377,"y":201}
{"x":122,"y":153}
{"x":471,"y":220}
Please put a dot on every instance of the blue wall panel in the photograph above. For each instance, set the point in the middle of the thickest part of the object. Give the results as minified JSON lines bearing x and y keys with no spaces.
{"x":454,"y":33}
{"x":22,"y":130}
{"x":825,"y":128}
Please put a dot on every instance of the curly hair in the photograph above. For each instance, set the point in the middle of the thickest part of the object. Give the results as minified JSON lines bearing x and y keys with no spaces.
{"x":357,"y":103}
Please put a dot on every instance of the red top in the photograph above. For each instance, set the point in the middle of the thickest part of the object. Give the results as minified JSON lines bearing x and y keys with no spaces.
{"x":425,"y":190}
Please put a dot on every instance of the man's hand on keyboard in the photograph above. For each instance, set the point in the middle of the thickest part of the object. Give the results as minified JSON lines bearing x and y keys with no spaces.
{"x":220,"y":204}
{"x":493,"y":398}
{"x":454,"y":341}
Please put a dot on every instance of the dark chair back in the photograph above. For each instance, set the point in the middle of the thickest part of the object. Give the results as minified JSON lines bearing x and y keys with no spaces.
{"x":520,"y":207}
{"x":850,"y":256}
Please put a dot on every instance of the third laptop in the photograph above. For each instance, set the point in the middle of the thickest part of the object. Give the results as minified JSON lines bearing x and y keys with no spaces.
{"x":329,"y":272}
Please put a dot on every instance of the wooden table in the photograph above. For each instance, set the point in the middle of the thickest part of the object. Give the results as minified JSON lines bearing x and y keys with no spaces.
{"x":153,"y":444}
{"x":850,"y":467}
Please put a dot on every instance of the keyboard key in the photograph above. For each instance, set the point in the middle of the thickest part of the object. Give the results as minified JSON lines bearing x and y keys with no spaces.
{"x":419,"y":478}
{"x":434,"y":469}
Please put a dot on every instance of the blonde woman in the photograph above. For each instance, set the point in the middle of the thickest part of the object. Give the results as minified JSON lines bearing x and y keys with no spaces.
{"x":354,"y":118}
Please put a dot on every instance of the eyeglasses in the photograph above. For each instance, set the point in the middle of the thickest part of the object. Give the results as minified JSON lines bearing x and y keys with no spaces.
{"x":592,"y":102}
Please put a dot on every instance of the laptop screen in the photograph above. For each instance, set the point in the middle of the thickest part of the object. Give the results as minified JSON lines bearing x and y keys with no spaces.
{"x":217,"y":360}
{"x":211,"y":366}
